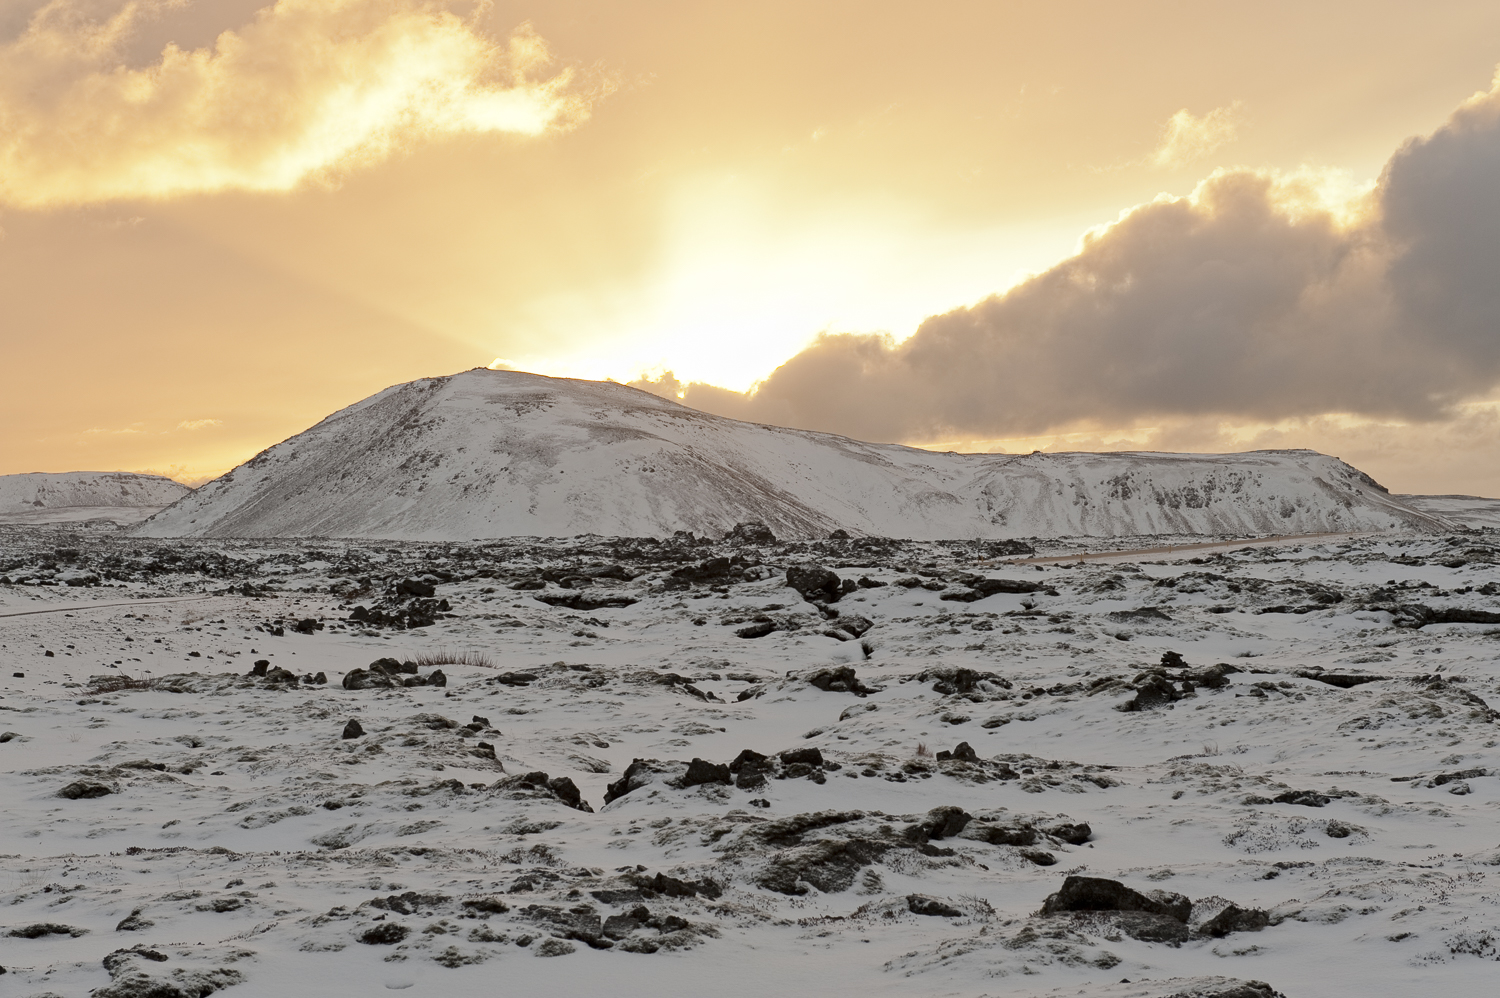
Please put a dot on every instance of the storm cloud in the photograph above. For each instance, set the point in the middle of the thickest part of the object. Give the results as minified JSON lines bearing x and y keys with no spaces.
{"x":1259,"y":297}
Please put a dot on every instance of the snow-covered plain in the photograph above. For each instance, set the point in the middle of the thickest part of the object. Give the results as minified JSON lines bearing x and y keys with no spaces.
{"x":486,"y":454}
{"x":77,"y":496}
{"x":251,"y":847}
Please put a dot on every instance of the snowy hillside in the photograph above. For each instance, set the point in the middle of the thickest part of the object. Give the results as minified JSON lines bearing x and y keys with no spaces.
{"x":82,"y":495}
{"x":502,"y":453}
{"x":1468,"y":511}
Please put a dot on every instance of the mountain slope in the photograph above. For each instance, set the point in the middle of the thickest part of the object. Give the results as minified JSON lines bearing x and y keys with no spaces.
{"x":42,"y":497}
{"x":501,"y":453}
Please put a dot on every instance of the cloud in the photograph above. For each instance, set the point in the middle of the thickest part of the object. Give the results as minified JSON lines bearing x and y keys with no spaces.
{"x":1187,"y":138}
{"x":1260,"y":297}
{"x":199,"y":424}
{"x":307,"y":89}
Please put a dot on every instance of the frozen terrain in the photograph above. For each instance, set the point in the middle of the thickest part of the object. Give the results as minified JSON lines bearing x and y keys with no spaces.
{"x":938,"y":739}
{"x":1467,"y":511}
{"x":77,"y":496}
{"x":487,"y":454}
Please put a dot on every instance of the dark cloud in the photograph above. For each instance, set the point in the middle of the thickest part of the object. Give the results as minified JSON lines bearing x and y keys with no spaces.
{"x":1255,"y":299}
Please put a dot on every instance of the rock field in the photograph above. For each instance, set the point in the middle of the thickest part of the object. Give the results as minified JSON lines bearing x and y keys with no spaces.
{"x":744,"y":767}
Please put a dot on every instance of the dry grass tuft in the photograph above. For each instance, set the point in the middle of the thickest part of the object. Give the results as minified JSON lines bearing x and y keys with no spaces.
{"x":478,"y":660}
{"x":114,"y":684}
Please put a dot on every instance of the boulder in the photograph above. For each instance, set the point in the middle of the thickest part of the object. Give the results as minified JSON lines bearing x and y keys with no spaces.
{"x":815,"y":583}
{"x":352,"y":730}
{"x":921,"y":904}
{"x":841,"y":680}
{"x":940,"y":823}
{"x":964,"y":752}
{"x":1232,"y":918}
{"x":363,"y":679}
{"x":700,"y":772}
{"x":85,"y":790}
{"x":808,"y":756}
{"x":1098,"y":894}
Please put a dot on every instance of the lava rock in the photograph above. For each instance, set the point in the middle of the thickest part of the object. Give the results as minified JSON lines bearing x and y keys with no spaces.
{"x":807,"y":756}
{"x":1098,"y":894}
{"x":841,"y":680}
{"x":415,"y":587}
{"x":815,"y":583}
{"x":1074,"y":834}
{"x":700,"y":772}
{"x":759,"y":629}
{"x":940,"y":823}
{"x":362,"y":679}
{"x":85,"y":790}
{"x":353,"y":730}
{"x":1233,"y":918}
{"x":134,"y":922}
{"x":921,"y":904}
{"x":964,"y":752}
{"x":750,"y":533}
{"x":1152,"y":690}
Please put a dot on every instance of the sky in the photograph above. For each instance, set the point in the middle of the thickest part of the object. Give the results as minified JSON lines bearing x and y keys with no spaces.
{"x":971,"y":226}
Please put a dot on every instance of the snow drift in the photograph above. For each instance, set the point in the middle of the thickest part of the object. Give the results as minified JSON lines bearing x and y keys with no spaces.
{"x":502,"y":453}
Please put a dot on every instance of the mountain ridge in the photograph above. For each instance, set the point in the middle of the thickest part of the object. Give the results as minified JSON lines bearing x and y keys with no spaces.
{"x":489,"y":453}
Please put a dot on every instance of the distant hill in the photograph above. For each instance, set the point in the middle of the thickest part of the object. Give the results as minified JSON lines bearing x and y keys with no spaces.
{"x":1465,"y":511}
{"x":502,"y":453}
{"x":120,"y":496}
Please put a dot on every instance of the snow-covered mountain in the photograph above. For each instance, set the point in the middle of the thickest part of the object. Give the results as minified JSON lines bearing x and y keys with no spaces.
{"x":502,"y":453}
{"x":43,"y":497}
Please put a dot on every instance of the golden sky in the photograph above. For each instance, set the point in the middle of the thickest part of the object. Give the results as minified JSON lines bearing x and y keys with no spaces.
{"x":223,"y":221}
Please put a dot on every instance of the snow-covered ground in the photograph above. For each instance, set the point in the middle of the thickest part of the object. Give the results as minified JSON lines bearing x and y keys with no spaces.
{"x":238,"y":840}
{"x":123,"y":498}
{"x":1467,"y":511}
{"x":486,"y":454}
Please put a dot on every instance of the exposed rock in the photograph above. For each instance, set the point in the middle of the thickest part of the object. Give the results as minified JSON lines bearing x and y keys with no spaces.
{"x":809,"y":756}
{"x":972,"y":683}
{"x":352,"y":730}
{"x":86,"y":790}
{"x":750,"y":533}
{"x":921,"y":904}
{"x":384,"y":934}
{"x":940,"y":823}
{"x":415,"y":587}
{"x":361,"y":679}
{"x":815,"y":583}
{"x":638,"y":774}
{"x":699,"y":772}
{"x":1229,"y":917}
{"x":964,"y":752}
{"x":1073,"y":833}
{"x":133,"y":922}
{"x":1098,"y":894}
{"x":841,"y":680}
{"x":1152,"y":690}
